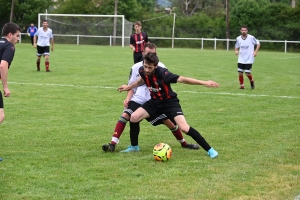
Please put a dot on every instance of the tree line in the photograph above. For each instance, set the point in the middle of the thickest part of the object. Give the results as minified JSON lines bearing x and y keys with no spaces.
{"x":266,"y":19}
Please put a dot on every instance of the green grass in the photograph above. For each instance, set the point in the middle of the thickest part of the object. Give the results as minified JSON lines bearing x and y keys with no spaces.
{"x":56,"y":123}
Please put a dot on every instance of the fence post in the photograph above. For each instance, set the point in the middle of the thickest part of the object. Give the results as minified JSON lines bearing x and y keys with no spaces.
{"x":110,"y":40}
{"x":202,"y":44}
{"x":77,"y":39}
{"x":285,"y":44}
{"x":215,"y":46}
{"x":227,"y":44}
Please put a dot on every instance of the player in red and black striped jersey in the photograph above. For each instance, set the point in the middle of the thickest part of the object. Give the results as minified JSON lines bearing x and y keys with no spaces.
{"x":164,"y":100}
{"x":137,"y":42}
{"x":10,"y":36}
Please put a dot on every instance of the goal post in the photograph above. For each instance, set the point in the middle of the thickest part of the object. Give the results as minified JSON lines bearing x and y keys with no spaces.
{"x":95,"y":29}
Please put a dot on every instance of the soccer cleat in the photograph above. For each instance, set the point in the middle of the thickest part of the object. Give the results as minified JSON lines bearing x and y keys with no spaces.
{"x":212,"y":153}
{"x":242,"y":87}
{"x":38,"y":69}
{"x":252,"y":84}
{"x":108,"y":147}
{"x":131,"y":149}
{"x":48,"y":70}
{"x":191,"y":146}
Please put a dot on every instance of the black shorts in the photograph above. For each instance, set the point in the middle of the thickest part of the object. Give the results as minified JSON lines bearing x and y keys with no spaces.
{"x":43,"y":51}
{"x":171,"y":108}
{"x":137,"y":57}
{"x":244,"y":67}
{"x":155,"y":120}
{"x":1,"y":101}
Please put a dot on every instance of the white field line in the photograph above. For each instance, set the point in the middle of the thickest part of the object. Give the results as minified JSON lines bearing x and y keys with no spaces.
{"x":287,"y":58}
{"x":107,"y":87}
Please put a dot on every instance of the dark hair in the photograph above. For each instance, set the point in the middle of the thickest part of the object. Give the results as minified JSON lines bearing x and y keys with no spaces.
{"x":10,"y":27}
{"x":244,"y":26}
{"x":151,"y":58}
{"x":150,"y":46}
{"x":45,"y":21}
{"x":137,"y":23}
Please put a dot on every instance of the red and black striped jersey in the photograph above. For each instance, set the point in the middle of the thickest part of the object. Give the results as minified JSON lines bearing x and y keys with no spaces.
{"x":138,"y":40}
{"x":159,"y":83}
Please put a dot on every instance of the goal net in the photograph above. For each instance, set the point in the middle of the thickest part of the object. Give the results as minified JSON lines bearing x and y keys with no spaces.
{"x":89,"y":29}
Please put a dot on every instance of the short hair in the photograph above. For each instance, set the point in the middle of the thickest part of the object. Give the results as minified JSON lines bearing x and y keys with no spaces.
{"x":151,"y":58}
{"x":150,"y":46}
{"x":137,"y":23}
{"x":45,"y":21}
{"x":10,"y":27}
{"x":244,"y":26}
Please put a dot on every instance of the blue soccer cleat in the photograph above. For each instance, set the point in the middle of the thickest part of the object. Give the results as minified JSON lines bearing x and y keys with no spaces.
{"x":131,"y":149}
{"x":212,"y":153}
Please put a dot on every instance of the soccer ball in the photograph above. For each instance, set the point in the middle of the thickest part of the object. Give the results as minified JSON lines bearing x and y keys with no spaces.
{"x":162,"y":152}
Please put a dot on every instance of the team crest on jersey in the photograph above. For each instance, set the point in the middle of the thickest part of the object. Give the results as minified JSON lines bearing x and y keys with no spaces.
{"x":13,"y":48}
{"x":166,"y":73}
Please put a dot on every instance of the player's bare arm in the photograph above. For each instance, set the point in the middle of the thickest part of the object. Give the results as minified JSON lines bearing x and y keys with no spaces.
{"x":4,"y":74}
{"x":236,"y":51}
{"x":192,"y":81}
{"x":52,"y":44}
{"x":256,"y":50}
{"x":128,"y":97}
{"x":137,"y":83}
{"x":132,"y":47}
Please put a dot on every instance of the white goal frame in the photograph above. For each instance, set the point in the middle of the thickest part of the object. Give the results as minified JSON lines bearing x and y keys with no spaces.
{"x":82,"y":15}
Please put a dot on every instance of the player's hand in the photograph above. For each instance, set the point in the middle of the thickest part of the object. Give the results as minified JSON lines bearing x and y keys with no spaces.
{"x":211,"y":84}
{"x":236,"y":52}
{"x":126,"y":102}
{"x":6,"y":92}
{"x":123,"y":88}
{"x":254,"y":54}
{"x":52,"y":48}
{"x":28,"y":34}
{"x":34,"y":45}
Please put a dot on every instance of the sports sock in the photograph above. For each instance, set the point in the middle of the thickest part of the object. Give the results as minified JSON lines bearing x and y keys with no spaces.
{"x":241,"y":79}
{"x":47,"y":64}
{"x":119,"y":128}
{"x":177,"y":133}
{"x":250,"y":77}
{"x":198,"y":138}
{"x":38,"y":64}
{"x":134,"y":133}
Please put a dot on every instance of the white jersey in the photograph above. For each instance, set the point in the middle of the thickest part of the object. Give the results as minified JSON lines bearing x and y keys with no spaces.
{"x":246,"y":48}
{"x":43,"y":37}
{"x":141,"y":93}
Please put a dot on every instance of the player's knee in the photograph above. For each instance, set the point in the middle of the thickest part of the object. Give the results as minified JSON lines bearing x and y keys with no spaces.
{"x":123,"y":119}
{"x":134,"y":118}
{"x":184,"y":128}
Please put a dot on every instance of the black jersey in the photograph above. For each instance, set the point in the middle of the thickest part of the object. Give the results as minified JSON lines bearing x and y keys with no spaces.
{"x":7,"y":51}
{"x":159,"y":84}
{"x":138,"y":40}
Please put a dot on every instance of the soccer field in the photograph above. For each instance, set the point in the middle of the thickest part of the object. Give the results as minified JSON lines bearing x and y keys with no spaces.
{"x":56,"y":123}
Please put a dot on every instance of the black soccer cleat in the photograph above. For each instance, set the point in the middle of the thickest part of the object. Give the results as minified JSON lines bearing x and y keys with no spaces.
{"x":48,"y":70}
{"x":108,"y":147}
{"x":252,"y":84}
{"x":191,"y":146}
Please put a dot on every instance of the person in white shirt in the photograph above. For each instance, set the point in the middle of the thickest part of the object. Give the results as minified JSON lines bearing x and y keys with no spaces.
{"x":244,"y":48}
{"x":41,"y":41}
{"x":135,"y":98}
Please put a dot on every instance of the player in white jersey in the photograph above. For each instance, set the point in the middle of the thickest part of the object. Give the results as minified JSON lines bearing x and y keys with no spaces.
{"x":135,"y":98}
{"x":44,"y":35}
{"x":244,"y":47}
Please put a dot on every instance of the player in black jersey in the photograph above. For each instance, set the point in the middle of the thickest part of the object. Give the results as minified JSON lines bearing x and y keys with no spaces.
{"x":10,"y":36}
{"x":164,"y":99}
{"x":137,"y":42}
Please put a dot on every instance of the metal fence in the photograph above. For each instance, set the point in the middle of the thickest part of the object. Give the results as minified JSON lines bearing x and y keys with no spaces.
{"x":202,"y":43}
